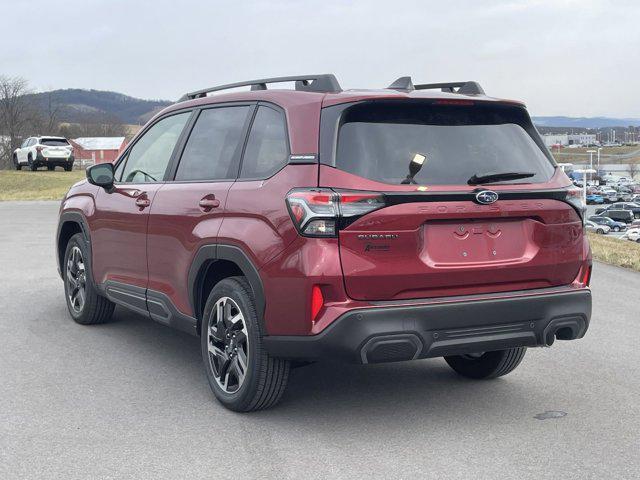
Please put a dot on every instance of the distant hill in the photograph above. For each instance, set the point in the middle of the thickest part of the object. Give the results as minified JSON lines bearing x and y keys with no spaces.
{"x":585,"y":122}
{"x":77,"y":105}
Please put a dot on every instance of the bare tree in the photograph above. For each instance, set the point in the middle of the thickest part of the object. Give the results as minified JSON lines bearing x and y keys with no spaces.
{"x":15,"y":116}
{"x":45,"y":114}
{"x":95,"y":125}
{"x":633,"y":170}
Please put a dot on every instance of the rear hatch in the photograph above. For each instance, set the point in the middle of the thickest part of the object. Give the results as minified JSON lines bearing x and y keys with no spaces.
{"x":443,"y":223}
{"x":55,"y":147}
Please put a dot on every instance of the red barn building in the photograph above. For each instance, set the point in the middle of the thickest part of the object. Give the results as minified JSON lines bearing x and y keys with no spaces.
{"x":97,"y":149}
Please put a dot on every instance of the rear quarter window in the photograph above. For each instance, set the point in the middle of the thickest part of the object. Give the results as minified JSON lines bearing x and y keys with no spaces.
{"x":267,"y":147}
{"x":378,"y":141}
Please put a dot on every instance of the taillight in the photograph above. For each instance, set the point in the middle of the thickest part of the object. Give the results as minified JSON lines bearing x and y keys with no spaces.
{"x":574,"y":197}
{"x":39,"y":148}
{"x":322,"y":212}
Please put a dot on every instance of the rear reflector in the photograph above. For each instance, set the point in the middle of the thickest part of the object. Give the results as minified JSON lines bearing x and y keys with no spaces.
{"x":317,"y":301}
{"x":586,"y":276}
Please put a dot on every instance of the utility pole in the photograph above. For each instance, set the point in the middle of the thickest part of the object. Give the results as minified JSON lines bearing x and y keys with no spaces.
{"x":590,"y":152}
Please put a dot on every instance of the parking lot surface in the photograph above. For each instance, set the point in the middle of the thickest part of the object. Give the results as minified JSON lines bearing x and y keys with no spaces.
{"x":129,"y":399}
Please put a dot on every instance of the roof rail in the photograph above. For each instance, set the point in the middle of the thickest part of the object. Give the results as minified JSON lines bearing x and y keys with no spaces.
{"x":464,"y":88}
{"x":323,"y":83}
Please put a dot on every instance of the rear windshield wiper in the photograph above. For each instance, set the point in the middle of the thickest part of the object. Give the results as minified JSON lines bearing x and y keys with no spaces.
{"x":498,"y":177}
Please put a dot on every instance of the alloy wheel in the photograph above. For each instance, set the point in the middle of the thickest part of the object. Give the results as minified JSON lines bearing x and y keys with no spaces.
{"x":228,"y":345}
{"x":76,"y":279}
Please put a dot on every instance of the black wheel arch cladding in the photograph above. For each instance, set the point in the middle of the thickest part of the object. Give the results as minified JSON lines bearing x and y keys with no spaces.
{"x":208,"y":255}
{"x":69,"y":224}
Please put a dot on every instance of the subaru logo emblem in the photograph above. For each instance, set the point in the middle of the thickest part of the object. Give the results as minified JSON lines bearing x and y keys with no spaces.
{"x":486,"y":197}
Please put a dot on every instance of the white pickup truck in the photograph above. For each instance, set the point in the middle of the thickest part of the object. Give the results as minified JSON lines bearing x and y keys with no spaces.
{"x":49,"y":152}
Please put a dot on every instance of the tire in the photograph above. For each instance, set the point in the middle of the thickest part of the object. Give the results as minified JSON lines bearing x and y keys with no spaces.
{"x":68,"y":168}
{"x":16,"y":163}
{"x":94,"y":308}
{"x":265,"y":377}
{"x":32,"y":165}
{"x":487,"y":365}
{"x":636,"y":216}
{"x":600,"y":231}
{"x":616,"y":229}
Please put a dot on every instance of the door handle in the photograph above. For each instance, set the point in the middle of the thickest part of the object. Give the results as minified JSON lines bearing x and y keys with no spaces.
{"x":208,"y":202}
{"x":143,"y":201}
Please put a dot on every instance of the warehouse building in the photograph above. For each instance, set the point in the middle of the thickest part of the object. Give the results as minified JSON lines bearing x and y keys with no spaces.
{"x":565,"y":139}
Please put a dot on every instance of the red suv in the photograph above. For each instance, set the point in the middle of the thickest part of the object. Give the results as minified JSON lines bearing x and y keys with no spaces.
{"x":286,"y":226}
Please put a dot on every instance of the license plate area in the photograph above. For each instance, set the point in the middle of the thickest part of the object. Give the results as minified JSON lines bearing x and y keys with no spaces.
{"x":477,"y":242}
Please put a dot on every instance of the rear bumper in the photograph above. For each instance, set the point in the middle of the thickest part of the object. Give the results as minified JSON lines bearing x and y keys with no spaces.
{"x":395,"y":333}
{"x":41,"y":161}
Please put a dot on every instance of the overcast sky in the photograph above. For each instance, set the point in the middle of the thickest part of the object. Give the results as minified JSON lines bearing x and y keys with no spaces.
{"x":562,"y":57}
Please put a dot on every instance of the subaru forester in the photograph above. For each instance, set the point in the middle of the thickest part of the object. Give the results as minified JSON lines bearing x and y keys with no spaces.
{"x":284,"y":226}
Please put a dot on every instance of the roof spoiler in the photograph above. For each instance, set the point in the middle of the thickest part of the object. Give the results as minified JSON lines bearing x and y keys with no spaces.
{"x":464,"y":88}
{"x":322,"y":83}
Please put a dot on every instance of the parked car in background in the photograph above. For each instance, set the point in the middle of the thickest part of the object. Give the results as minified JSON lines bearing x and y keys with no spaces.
{"x":241,"y":218}
{"x":634,"y":224}
{"x":629,"y":206}
{"x":50,"y":152}
{"x":595,"y":228}
{"x":609,"y":194}
{"x":617,"y":214}
{"x":624,"y":195}
{"x":632,"y":234}
{"x":612,"y":224}
{"x":595,"y":199}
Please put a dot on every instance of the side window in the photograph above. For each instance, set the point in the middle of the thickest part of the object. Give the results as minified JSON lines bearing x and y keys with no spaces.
{"x":148,"y":158}
{"x":32,"y":142}
{"x":25,"y":143}
{"x":267,"y":148}
{"x":214,"y":145}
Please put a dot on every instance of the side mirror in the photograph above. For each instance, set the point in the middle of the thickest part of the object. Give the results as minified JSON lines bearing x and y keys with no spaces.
{"x":101,"y":175}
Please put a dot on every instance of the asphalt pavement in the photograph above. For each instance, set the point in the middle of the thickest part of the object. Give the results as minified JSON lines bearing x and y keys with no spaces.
{"x":129,"y":399}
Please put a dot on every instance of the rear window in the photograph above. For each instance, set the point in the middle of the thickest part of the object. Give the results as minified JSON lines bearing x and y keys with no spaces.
{"x":54,"y":142}
{"x":378,"y":142}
